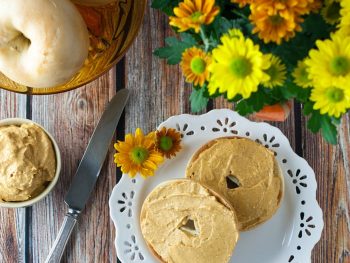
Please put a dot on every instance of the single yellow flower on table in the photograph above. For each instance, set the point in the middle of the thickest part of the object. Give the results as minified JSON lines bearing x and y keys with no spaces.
{"x":330,"y":63}
{"x":238,"y":67}
{"x":194,"y":13}
{"x":301,"y":76}
{"x":194,"y":65}
{"x":331,"y":11}
{"x":277,"y":72}
{"x":168,"y":142}
{"x":333,"y":100}
{"x":137,"y":154}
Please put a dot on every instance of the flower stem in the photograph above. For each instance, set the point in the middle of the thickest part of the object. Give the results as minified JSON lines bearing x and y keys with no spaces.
{"x":205,"y":40}
{"x":239,"y":14}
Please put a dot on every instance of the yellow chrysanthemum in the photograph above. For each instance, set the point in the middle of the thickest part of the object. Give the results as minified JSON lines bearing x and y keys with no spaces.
{"x":238,"y":67}
{"x":273,"y":24}
{"x":137,"y":154}
{"x":344,"y":31}
{"x":333,"y":100}
{"x":277,"y":72}
{"x":331,"y":11}
{"x":344,"y":25}
{"x":194,"y":13}
{"x":235,"y":33}
{"x":345,"y":13}
{"x":194,"y":65}
{"x":330,"y":63}
{"x":242,"y":3}
{"x":301,"y":76}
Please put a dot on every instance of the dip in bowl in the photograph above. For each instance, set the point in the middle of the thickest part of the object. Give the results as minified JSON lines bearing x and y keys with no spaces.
{"x":30,"y":163}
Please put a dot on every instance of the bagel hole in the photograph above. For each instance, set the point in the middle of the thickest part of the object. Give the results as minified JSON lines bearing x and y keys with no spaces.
{"x":20,"y":42}
{"x":188,"y":226}
{"x":232,"y":182}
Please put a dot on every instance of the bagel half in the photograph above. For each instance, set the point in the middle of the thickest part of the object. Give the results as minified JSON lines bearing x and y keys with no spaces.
{"x":43,"y":43}
{"x":183,"y":221}
{"x":245,"y":173}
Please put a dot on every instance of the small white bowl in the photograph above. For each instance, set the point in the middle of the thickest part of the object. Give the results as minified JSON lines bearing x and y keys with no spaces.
{"x":30,"y":202}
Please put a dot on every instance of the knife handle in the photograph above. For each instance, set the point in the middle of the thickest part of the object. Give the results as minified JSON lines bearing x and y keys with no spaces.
{"x":60,"y":243}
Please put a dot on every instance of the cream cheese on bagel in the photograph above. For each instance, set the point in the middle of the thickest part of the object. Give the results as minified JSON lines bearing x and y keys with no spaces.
{"x":245,"y":173}
{"x":43,"y":43}
{"x":170,"y":207}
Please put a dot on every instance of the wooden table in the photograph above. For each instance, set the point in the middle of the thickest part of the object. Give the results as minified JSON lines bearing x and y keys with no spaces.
{"x":158,"y":91}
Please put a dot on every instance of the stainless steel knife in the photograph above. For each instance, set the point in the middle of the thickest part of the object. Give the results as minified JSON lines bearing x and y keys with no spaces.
{"x":88,"y":172}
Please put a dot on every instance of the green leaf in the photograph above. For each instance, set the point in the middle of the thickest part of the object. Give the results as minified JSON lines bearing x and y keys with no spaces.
{"x":174,"y":48}
{"x":303,"y":95}
{"x":258,"y":100}
{"x":336,"y":121}
{"x":314,"y":123}
{"x":165,"y":6}
{"x":244,"y":108}
{"x":236,"y":98}
{"x":289,"y":90}
{"x":329,"y":130}
{"x":316,"y":27}
{"x":308,"y":108}
{"x":222,"y":25}
{"x":198,"y":101}
{"x":324,"y":122}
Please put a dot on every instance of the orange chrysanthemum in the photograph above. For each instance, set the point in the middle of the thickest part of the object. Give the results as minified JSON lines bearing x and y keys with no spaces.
{"x":168,"y":142}
{"x":276,"y":25}
{"x":194,"y":65}
{"x":277,"y":20}
{"x":242,"y":3}
{"x":314,"y":5}
{"x":194,"y":13}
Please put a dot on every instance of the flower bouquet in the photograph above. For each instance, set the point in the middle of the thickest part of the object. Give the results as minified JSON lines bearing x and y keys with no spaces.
{"x":260,"y":54}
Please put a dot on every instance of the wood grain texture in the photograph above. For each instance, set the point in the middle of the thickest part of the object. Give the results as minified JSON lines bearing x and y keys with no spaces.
{"x":12,"y":221}
{"x":332,"y":169}
{"x":71,"y":118}
{"x":158,"y":91}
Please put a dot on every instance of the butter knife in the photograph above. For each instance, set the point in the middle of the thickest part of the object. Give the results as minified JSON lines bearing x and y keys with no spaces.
{"x":88,"y":172}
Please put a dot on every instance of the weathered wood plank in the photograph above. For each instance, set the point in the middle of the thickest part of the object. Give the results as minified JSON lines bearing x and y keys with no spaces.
{"x":332,"y":169}
{"x":12,"y":221}
{"x":158,"y":91}
{"x":71,"y":117}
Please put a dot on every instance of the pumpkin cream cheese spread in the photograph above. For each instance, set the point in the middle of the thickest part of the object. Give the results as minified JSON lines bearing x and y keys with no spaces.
{"x":182,"y":221}
{"x":243,"y":172}
{"x":27,"y":162}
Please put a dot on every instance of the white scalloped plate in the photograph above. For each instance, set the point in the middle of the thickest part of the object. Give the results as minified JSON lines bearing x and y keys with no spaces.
{"x":288,"y":237}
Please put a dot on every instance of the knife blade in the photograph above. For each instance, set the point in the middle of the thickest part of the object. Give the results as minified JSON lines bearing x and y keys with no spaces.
{"x":88,"y":171}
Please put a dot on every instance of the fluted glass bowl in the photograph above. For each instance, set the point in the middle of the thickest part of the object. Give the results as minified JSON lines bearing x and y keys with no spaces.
{"x":112,"y":30}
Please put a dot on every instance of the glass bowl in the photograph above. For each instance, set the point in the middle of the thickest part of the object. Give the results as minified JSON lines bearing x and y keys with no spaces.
{"x":112,"y":29}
